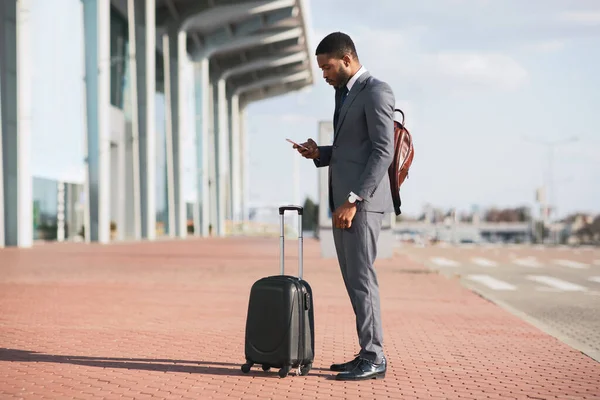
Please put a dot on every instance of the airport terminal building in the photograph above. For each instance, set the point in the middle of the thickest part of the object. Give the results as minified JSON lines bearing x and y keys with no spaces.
{"x":208,"y":59}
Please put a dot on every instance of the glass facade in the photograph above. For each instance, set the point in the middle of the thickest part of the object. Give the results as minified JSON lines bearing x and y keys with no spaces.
{"x":49,"y":200}
{"x":45,"y":208}
{"x":46,"y":201}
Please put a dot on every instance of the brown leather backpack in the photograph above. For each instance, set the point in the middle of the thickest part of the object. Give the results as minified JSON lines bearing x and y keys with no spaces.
{"x":403,"y":156}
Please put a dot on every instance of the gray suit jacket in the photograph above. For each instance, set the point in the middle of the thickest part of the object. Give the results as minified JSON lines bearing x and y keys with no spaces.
{"x":363,"y":147}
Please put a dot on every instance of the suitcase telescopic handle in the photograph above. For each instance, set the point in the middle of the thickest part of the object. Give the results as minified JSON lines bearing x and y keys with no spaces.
{"x":282,"y":211}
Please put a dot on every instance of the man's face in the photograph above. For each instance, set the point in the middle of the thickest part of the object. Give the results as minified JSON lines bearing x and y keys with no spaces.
{"x":334,"y":70}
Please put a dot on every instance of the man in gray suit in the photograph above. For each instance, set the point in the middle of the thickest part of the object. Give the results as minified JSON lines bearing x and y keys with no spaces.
{"x":359,"y":189}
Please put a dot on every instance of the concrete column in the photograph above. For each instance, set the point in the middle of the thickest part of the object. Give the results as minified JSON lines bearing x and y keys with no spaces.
{"x":2,"y":41}
{"x":229,"y":213}
{"x":235,"y":164}
{"x":96,"y":15}
{"x":244,"y":163}
{"x":143,"y":79}
{"x":121,"y":174}
{"x":8,"y":30}
{"x":202,"y":91}
{"x":120,"y":179}
{"x":60,"y":214}
{"x":212,"y":159}
{"x":182,"y":62}
{"x":174,"y":46}
{"x":15,"y":131}
{"x":229,"y":210}
{"x":221,"y":150}
{"x":133,"y":197}
{"x":169,"y":123}
{"x":148,"y":124}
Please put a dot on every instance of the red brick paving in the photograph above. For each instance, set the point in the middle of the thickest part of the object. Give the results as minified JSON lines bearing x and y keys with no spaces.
{"x":166,"y":320}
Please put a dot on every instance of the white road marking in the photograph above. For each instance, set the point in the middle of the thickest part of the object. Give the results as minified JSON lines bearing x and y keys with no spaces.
{"x":492,"y":282}
{"x":444,"y":262}
{"x":594,"y":279}
{"x":556,"y":283}
{"x":483,"y":262}
{"x":527,"y":262}
{"x":571,"y":264}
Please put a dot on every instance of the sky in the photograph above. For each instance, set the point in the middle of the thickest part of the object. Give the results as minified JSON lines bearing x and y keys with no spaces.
{"x":482,"y":83}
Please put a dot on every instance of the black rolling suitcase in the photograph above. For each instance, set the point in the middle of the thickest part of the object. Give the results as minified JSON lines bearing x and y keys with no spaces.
{"x":280,"y":321}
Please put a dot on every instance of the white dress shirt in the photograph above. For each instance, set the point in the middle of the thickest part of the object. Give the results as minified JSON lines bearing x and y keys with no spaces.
{"x":354,"y":78}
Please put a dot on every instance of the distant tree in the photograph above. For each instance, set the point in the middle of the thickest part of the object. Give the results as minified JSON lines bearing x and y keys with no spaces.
{"x":590,"y":233}
{"x":519,"y":214}
{"x":464,"y":217}
{"x":524,"y":214}
{"x":310,"y":219}
{"x":438,"y":215}
{"x":571,"y":218}
{"x":540,"y":232}
{"x":492,"y":215}
{"x":596,"y":225}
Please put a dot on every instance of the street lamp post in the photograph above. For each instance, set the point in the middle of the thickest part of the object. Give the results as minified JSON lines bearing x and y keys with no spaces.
{"x":550,"y":144}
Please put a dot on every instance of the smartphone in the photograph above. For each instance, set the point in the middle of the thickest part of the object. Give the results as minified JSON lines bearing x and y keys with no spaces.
{"x":299,"y":145}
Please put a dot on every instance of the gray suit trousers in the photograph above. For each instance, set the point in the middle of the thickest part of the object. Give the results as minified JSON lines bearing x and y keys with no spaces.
{"x":356,"y":249}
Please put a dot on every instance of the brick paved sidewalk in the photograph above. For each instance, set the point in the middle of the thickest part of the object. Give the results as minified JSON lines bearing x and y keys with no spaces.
{"x":166,"y":320}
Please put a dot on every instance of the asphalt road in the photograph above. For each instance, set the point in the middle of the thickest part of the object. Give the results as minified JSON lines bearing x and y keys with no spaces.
{"x":556,"y":289}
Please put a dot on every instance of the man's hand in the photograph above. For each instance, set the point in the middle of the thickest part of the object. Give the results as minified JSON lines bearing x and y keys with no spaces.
{"x":343,"y":216}
{"x":311,"y":151}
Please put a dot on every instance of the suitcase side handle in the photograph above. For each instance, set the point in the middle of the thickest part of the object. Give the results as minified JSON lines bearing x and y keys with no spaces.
{"x":282,"y":211}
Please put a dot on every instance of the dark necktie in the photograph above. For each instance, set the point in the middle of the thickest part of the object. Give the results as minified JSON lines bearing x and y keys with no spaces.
{"x":341,"y":95}
{"x":344,"y":94}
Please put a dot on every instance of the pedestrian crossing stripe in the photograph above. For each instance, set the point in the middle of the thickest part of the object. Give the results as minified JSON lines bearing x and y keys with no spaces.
{"x":530,"y":262}
{"x":491,"y":282}
{"x":571,"y":264}
{"x":484,"y":262}
{"x":444,"y":262}
{"x":556,"y":283}
{"x":549,"y":283}
{"x":527,"y":262}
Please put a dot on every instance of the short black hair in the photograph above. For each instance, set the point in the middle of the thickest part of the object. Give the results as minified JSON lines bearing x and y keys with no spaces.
{"x":337,"y":44}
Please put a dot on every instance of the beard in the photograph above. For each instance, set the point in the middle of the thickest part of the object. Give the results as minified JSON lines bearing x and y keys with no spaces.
{"x":343,"y":77}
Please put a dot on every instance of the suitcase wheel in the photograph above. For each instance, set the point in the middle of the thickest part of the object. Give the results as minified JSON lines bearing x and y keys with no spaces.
{"x":284,"y":371}
{"x":246,"y":367}
{"x":266,"y":367}
{"x":305,"y":369}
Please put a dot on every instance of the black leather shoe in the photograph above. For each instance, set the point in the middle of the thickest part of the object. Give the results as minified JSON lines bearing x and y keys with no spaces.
{"x":347,"y":366}
{"x":364,"y":369}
